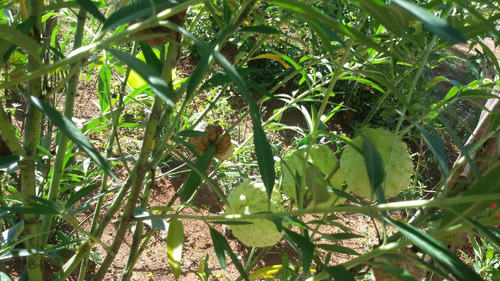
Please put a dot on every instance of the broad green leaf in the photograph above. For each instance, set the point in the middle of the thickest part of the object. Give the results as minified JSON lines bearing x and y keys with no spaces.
{"x":148,"y":73}
{"x":16,"y":37}
{"x":221,"y":246}
{"x":315,"y":181}
{"x":72,"y":132}
{"x":89,"y":6}
{"x":401,"y":273}
{"x":436,"y":25}
{"x":175,"y":241}
{"x":261,"y":29}
{"x":374,"y":168}
{"x":436,"y":250}
{"x":194,"y":179}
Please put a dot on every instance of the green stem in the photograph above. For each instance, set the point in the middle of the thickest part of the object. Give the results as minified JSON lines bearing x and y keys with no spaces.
{"x":62,"y":143}
{"x":27,"y":165}
{"x":443,"y":203}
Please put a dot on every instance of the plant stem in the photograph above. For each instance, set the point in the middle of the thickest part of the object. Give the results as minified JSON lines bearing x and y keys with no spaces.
{"x":27,"y":164}
{"x":62,"y":143}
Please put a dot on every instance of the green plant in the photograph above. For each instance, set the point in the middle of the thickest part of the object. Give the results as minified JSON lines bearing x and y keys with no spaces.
{"x":307,"y":73}
{"x":486,"y":258}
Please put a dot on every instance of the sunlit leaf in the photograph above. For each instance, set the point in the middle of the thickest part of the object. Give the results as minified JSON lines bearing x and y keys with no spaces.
{"x":436,"y":25}
{"x":149,"y":74}
{"x":175,"y":242}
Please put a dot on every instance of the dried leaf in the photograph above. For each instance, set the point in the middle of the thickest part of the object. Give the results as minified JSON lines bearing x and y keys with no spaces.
{"x":215,"y":136}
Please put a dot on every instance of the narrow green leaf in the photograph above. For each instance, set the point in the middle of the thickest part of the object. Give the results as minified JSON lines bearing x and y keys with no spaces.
{"x":306,"y":245}
{"x":338,"y":249}
{"x":437,"y":251}
{"x":77,"y":196}
{"x":89,"y":6}
{"x":262,"y":29}
{"x":263,"y":149}
{"x":175,"y":241}
{"x":6,"y":48}
{"x":221,"y":246}
{"x":374,"y":168}
{"x":15,"y":36}
{"x":72,"y":132}
{"x":150,"y":57}
{"x":148,"y":73}
{"x":436,"y":25}
{"x":137,"y":10}
{"x":17,"y":253}
{"x":436,"y":145}
{"x":104,"y":88}
{"x":194,"y":178}
{"x":378,"y":10}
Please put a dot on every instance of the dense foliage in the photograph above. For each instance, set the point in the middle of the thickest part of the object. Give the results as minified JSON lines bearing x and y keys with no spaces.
{"x":280,"y":78}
